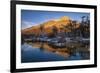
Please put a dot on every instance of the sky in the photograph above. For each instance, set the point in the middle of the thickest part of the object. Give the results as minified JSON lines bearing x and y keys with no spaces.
{"x":33,"y":17}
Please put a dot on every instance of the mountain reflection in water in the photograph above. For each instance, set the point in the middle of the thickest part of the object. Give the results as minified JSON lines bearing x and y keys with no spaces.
{"x":42,"y":52}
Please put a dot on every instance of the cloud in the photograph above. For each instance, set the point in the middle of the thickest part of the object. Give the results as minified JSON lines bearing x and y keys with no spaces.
{"x":27,"y":24}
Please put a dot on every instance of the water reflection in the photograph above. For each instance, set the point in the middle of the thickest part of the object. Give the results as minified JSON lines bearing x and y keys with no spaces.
{"x":41,"y":52}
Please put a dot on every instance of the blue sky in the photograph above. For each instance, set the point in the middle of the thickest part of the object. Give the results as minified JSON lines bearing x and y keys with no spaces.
{"x":33,"y":17}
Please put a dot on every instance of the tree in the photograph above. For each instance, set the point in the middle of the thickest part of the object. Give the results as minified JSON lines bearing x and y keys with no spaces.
{"x":74,"y":28}
{"x":83,"y":19}
{"x":55,"y":30}
{"x":85,"y":26}
{"x":71,"y":26}
{"x":41,"y":29}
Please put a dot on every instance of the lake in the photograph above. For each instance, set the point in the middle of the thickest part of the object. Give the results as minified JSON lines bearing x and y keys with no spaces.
{"x":43,"y":52}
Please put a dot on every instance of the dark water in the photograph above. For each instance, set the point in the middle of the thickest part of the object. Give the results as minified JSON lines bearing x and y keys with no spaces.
{"x":42,"y":52}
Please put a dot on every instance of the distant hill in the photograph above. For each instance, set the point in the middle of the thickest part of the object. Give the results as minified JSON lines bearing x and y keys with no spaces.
{"x":47,"y":27}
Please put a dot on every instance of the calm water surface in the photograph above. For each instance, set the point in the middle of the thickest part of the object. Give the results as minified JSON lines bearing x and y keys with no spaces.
{"x":42,"y":52}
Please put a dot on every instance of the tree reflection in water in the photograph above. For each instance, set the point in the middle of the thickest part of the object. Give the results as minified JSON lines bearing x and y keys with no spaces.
{"x":69,"y":52}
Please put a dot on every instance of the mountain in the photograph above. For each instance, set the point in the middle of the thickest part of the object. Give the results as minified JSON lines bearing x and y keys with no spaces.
{"x":49,"y":26}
